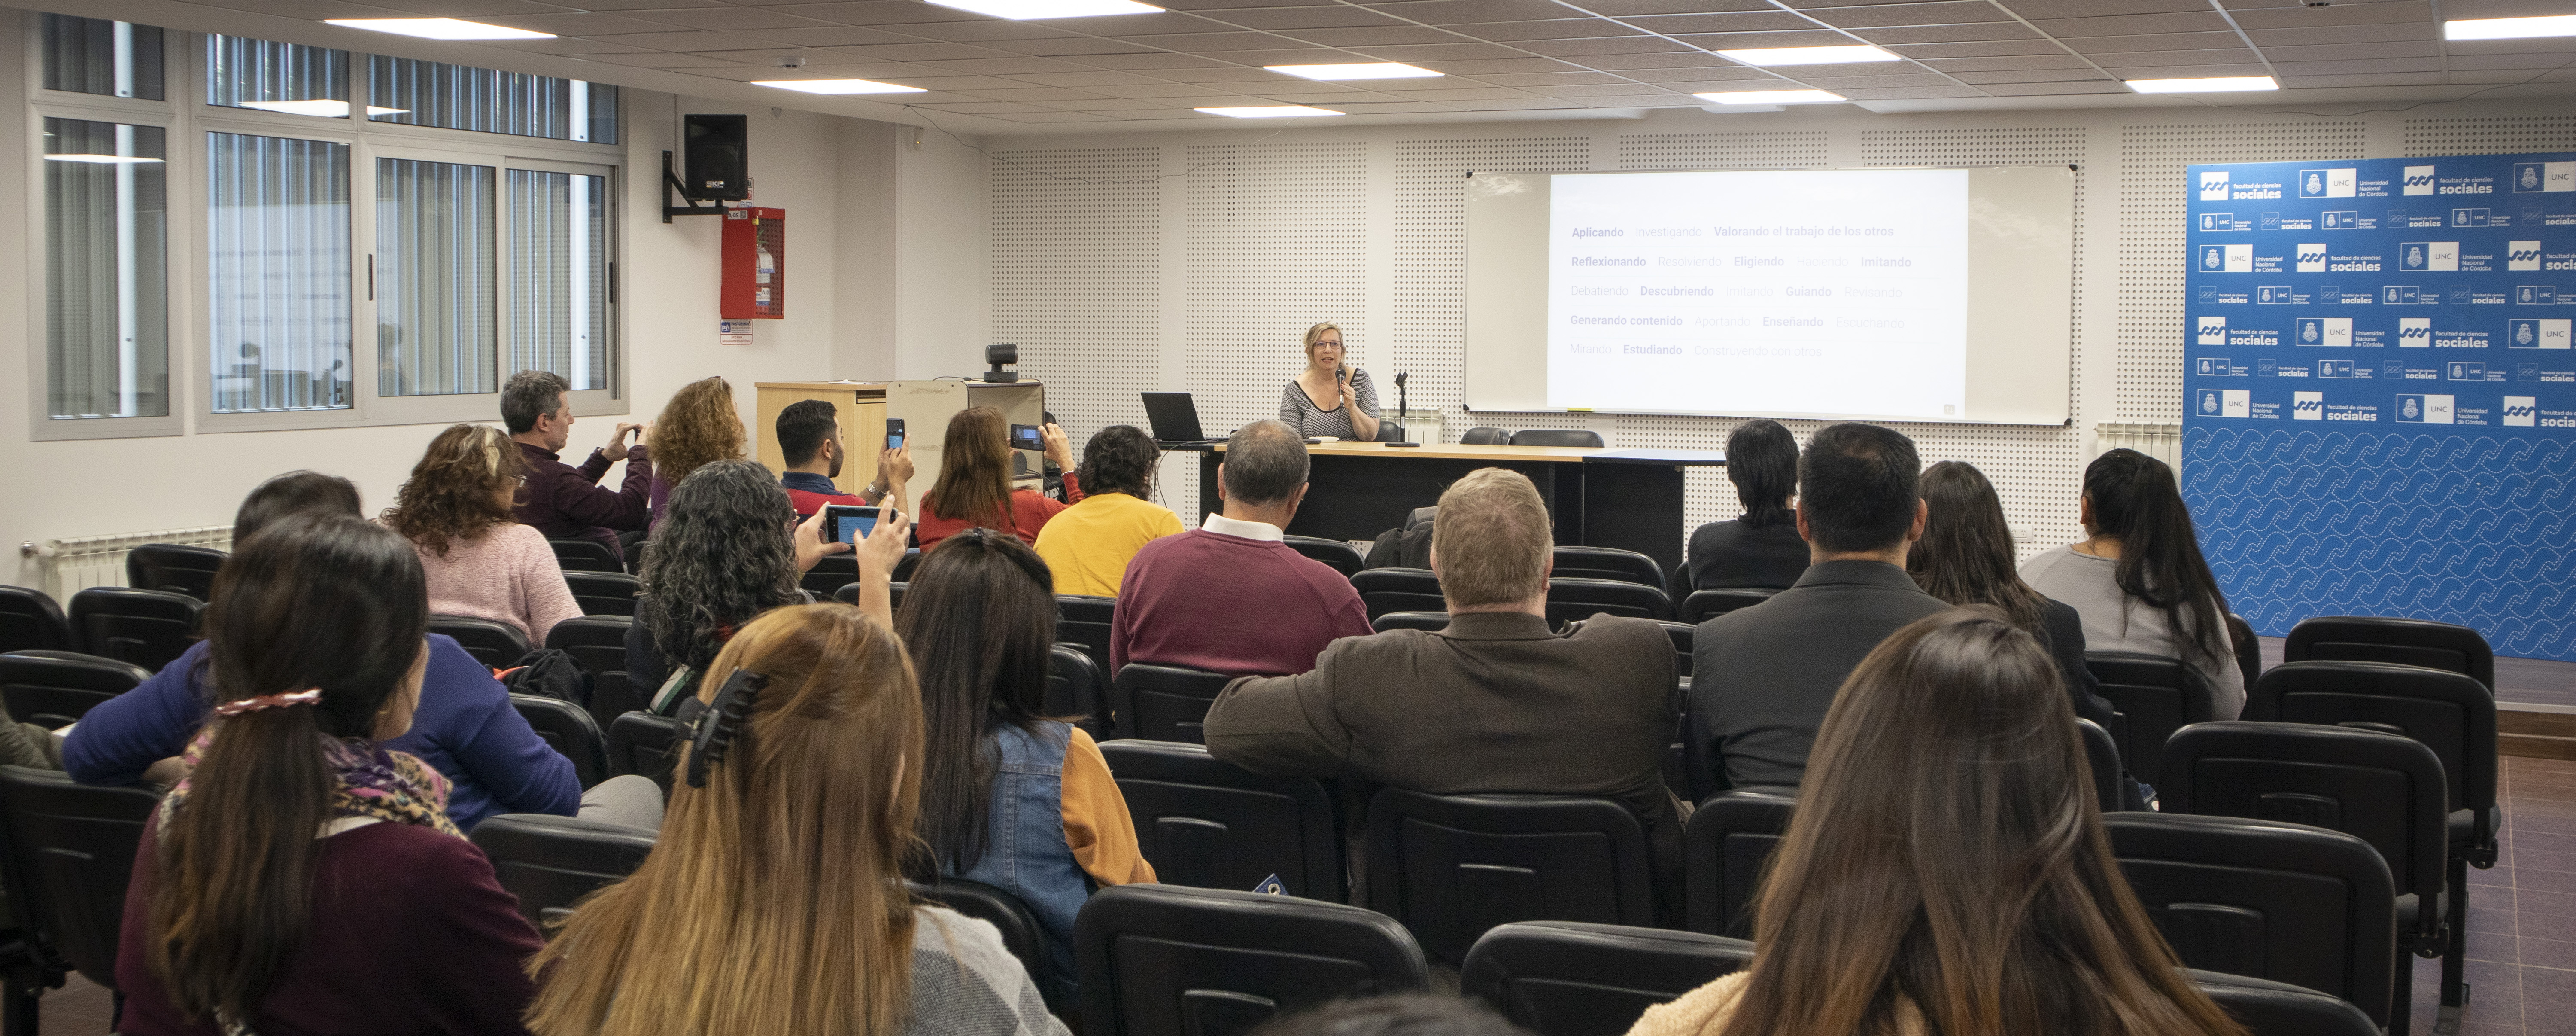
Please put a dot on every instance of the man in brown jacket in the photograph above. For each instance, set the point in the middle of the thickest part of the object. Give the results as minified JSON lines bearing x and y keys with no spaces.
{"x":1494,"y":703}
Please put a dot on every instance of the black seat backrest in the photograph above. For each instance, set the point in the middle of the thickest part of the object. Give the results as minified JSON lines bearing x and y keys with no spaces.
{"x":1392,"y":589}
{"x":903,"y":569}
{"x":2249,"y":649}
{"x":567,"y":728}
{"x":1433,"y":621}
{"x":585,"y":556}
{"x":1682,"y":634}
{"x":2286,"y":902}
{"x":1608,"y":563}
{"x":148,"y":628}
{"x":31,"y":621}
{"x":2450,"y":712}
{"x":602,"y":593}
{"x":1565,"y":978}
{"x":497,"y":645}
{"x":1208,"y":823}
{"x":1556,"y":437}
{"x":55,"y":688}
{"x":2363,"y":638}
{"x":1484,"y":437}
{"x":849,"y":594}
{"x":1021,"y":933}
{"x":1703,"y":605}
{"x":70,"y":854}
{"x":1390,"y":430}
{"x":2280,"y":1008}
{"x":2151,"y":696}
{"x":551,"y":862}
{"x":1344,"y":558}
{"x":1569,"y":600}
{"x":1164,"y":960}
{"x":597,"y":643}
{"x":1164,"y":702}
{"x":173,"y":567}
{"x":1725,"y":844}
{"x":2103,"y":758}
{"x":1451,"y":867}
{"x":1076,"y":690}
{"x":1086,"y":621}
{"x":643,"y":743}
{"x":829,"y":575}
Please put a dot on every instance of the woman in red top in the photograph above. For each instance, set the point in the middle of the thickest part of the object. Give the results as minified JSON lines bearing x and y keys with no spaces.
{"x":974,"y":487}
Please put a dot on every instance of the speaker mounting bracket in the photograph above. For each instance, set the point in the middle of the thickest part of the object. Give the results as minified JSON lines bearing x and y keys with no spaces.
{"x":688,"y":206}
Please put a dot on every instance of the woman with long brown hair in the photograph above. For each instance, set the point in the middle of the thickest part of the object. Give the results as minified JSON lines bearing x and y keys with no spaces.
{"x":1947,"y":871}
{"x":2138,"y":576}
{"x":774,"y":902}
{"x":459,"y":509}
{"x":974,"y":487}
{"x":697,"y":427}
{"x":1966,"y":557}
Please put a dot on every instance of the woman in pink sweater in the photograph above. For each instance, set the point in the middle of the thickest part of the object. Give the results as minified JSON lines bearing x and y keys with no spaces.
{"x":457,"y":511}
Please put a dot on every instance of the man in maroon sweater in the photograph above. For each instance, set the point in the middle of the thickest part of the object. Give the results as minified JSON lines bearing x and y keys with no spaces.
{"x":1230,"y":596}
{"x":562,"y":501}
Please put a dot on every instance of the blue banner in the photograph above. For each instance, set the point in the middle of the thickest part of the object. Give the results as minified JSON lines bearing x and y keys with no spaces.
{"x":2379,"y":398}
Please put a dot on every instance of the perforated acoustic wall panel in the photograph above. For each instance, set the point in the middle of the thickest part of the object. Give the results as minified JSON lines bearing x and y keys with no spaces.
{"x":1431,"y":252}
{"x":1277,"y":241}
{"x":1077,"y":276}
{"x":2491,"y":135}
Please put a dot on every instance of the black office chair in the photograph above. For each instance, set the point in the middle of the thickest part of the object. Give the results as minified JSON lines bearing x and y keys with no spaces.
{"x":1086,"y":621}
{"x":641,"y":742}
{"x":1564,"y":978}
{"x":903,"y":569}
{"x":1164,"y":960}
{"x":1703,"y":605}
{"x":2249,"y":649}
{"x":54,"y":689}
{"x":849,"y":594}
{"x":2386,"y":789}
{"x":551,"y":862}
{"x":1208,"y":823}
{"x":829,"y":575}
{"x":1569,"y":600}
{"x":2265,"y":899}
{"x":1393,"y":589}
{"x":31,"y":621}
{"x":2151,"y":696}
{"x":1608,"y":563}
{"x":496,"y":644}
{"x":1164,"y":702}
{"x":602,"y":593}
{"x":2360,"y":638}
{"x":2280,"y":1008}
{"x":1344,"y":558}
{"x":1021,"y":933}
{"x":1557,"y":437}
{"x":70,"y":853}
{"x":175,"y":568}
{"x":1390,"y":430}
{"x":1075,"y":690}
{"x":2102,"y":757}
{"x":1484,"y":437}
{"x":568,"y":729}
{"x":1433,"y":621}
{"x":149,"y":628}
{"x":597,"y":643}
{"x":1725,"y":844}
{"x":585,"y":556}
{"x":1451,"y":867}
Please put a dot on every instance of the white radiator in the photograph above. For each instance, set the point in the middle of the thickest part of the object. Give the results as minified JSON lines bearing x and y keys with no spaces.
{"x":76,"y":563}
{"x":2159,"y":439}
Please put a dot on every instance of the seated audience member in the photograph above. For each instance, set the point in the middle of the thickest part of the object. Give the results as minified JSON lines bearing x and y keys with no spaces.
{"x":306,"y":877}
{"x":562,"y":501}
{"x":776,"y":904}
{"x":1947,"y":871}
{"x":697,"y":427}
{"x":457,"y":512}
{"x":1396,"y":1014}
{"x":2138,"y":577}
{"x":1766,"y":674}
{"x":809,"y":440}
{"x":1018,"y":802}
{"x":1230,"y":596}
{"x":1761,"y":548}
{"x":1088,"y":544}
{"x":1497,"y":702}
{"x":463,"y":727}
{"x":1966,"y":557}
{"x":731,"y":549}
{"x":974,"y":488}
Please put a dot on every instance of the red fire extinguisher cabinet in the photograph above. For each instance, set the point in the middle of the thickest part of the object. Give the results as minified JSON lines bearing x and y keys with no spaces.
{"x":755,"y":265}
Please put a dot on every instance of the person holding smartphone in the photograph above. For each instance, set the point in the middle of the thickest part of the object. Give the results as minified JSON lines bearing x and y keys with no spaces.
{"x":809,"y":440}
{"x":1330,"y":398}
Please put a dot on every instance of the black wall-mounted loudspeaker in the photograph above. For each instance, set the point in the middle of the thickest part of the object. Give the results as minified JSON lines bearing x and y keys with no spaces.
{"x":718,"y":148}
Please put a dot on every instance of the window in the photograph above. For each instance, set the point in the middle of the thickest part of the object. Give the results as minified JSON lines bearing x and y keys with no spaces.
{"x":436,"y":332}
{"x":426,"y":93}
{"x":107,"y":246}
{"x":114,"y":59}
{"x":277,"y":77}
{"x":559,"y":275}
{"x":278,"y":265}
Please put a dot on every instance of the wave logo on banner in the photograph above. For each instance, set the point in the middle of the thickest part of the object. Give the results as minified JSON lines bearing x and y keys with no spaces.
{"x":2519,"y":411}
{"x":2419,"y":179}
{"x":2522,"y":255}
{"x":2308,"y":406}
{"x":2414,"y":332}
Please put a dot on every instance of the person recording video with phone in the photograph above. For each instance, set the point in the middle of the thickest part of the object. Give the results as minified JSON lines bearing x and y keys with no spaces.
{"x":974,"y":488}
{"x":809,"y":440}
{"x":1330,"y":398}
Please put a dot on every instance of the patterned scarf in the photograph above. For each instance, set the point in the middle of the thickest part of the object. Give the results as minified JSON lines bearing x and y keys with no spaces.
{"x":370,"y":781}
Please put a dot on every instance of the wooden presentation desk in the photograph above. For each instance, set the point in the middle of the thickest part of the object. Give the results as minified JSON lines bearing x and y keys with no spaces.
{"x":1630,"y":499}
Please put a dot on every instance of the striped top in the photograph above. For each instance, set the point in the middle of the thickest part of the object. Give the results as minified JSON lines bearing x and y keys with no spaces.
{"x":1301,"y":413}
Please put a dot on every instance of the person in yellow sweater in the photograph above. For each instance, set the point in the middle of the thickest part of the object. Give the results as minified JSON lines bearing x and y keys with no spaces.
{"x":1089,"y":543}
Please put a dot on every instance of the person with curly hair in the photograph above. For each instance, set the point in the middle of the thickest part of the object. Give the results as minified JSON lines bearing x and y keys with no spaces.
{"x":697,"y":427}
{"x":459,"y":510}
{"x":1089,"y":543}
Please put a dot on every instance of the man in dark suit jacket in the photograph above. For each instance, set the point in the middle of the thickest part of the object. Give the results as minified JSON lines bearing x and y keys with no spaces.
{"x":1765,"y":675}
{"x":1494,"y":703}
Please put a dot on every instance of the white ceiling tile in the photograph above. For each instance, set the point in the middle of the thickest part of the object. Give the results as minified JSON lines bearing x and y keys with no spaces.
{"x":1205,"y":42}
{"x":1072,"y":47}
{"x":694,"y":40}
{"x":1149,"y":62}
{"x":1980,"y":49}
{"x":1432,"y":55}
{"x":2014,"y":63}
{"x":1038,"y":93}
{"x":1338,"y":16}
{"x":1376,"y":35}
{"x":2377,"y":79}
{"x":2143,"y":44}
{"x":921,"y":52}
{"x":2303,"y":17}
{"x":2187,"y":71}
{"x":1611,"y":45}
{"x":1623,"y":8}
{"x":1018,"y":65}
{"x":983,"y":31}
{"x":2050,"y":89}
{"x":733,"y":18}
{"x":1158,"y":90}
{"x":2204,"y":20}
{"x":1547,"y":82}
{"x":2355,"y":51}
{"x":1759,"y":40}
{"x":1474,"y":12}
{"x":1640,"y":62}
{"x":1948,"y":33}
{"x":2037,"y":10}
{"x":874,"y":12}
{"x":1483,"y":67}
{"x":1863,"y":82}
{"x":1910,"y":93}
{"x":2347,"y":34}
{"x":1884,"y":15}
{"x":2178,"y":59}
{"x":2036,"y":75}
{"x":1738,"y":21}
{"x":2376,"y":66}
{"x":839,"y":36}
{"x":1287,"y":56}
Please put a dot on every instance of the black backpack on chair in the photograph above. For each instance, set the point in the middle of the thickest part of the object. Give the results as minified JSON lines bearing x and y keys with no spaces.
{"x":548,"y":673}
{"x":1405,"y":546}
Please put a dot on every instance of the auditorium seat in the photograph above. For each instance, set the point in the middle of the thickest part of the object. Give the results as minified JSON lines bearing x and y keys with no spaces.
{"x":829,"y":574}
{"x":1566,"y":978}
{"x":498,"y":645}
{"x":1344,"y":558}
{"x":69,"y":854}
{"x":1433,"y":621}
{"x":1164,"y":960}
{"x":597,"y":643}
{"x":2102,"y":757}
{"x":1390,"y":430}
{"x":585,"y":556}
{"x":2249,"y":648}
{"x":1394,"y":589}
{"x":551,"y":862}
{"x":2359,"y":638}
{"x":175,"y":568}
{"x":1075,"y":690}
{"x":1163,"y":702}
{"x":849,"y":594}
{"x":1484,"y":437}
{"x":1608,"y":563}
{"x":1008,"y":915}
{"x":602,"y":593}
{"x":2151,"y":696}
{"x":903,"y":569}
{"x":568,"y":729}
{"x":1208,"y":823}
{"x":1569,"y":600}
{"x":1086,"y":621}
{"x":1703,"y":605}
{"x":54,"y":689}
{"x":1557,"y":437}
{"x":1681,"y":634}
{"x":1451,"y":867}
{"x":149,"y":628}
{"x":643,"y":743}
{"x":2266,"y":899}
{"x":31,"y":621}
{"x":2281,"y":1009}
{"x":1725,"y":845}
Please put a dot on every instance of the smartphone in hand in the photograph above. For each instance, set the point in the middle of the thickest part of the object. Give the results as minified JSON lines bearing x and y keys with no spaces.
{"x":894,"y":433}
{"x":848,"y":523}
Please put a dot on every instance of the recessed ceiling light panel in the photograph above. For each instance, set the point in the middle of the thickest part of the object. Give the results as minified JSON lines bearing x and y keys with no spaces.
{"x":1273,"y":111}
{"x":2222,"y":84}
{"x":101,"y":159}
{"x":1769,"y":57}
{"x":439,"y":28}
{"x":324,"y":108}
{"x":1365,"y":70}
{"x":2510,"y":28}
{"x":1033,"y":10}
{"x":1774,"y":97}
{"x":838,"y":87}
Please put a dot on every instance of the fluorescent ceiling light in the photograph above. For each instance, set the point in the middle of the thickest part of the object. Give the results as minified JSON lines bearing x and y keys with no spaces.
{"x":439,"y":28}
{"x":1275,"y":111}
{"x":2222,"y":84}
{"x":838,"y":86}
{"x":2510,"y":28}
{"x":1366,"y":70}
{"x":1032,"y":10}
{"x":100,"y":159}
{"x":1771,"y":56}
{"x":323,"y":108}
{"x":1774,"y":97}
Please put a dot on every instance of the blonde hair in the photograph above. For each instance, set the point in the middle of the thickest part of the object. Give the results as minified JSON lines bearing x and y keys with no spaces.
{"x":1317,"y":331}
{"x":774,"y":901}
{"x":698,"y":427}
{"x":1493,"y":538}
